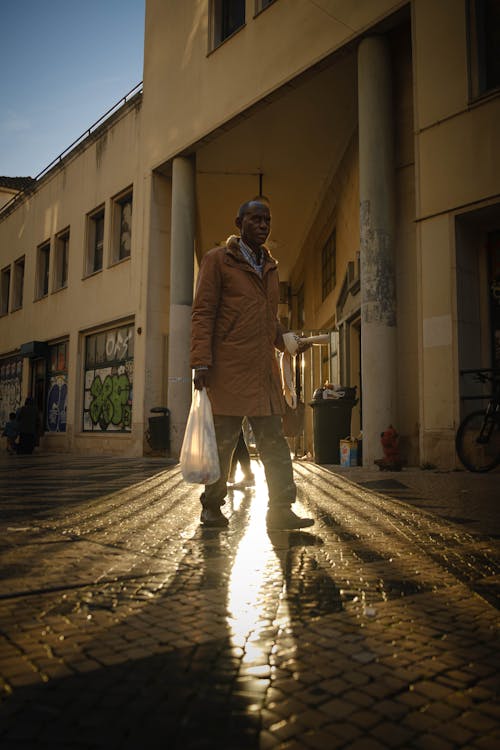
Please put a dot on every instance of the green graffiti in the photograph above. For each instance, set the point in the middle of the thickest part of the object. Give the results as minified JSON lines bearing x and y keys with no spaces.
{"x":110,"y":401}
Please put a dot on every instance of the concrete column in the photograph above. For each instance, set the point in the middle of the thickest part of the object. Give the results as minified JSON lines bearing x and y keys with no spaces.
{"x":181,"y":297}
{"x":377,"y":229}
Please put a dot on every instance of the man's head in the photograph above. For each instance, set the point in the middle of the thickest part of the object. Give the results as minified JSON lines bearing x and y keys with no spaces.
{"x":254,"y":222}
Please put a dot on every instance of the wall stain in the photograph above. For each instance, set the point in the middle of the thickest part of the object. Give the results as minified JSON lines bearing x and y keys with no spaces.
{"x":378,"y":285}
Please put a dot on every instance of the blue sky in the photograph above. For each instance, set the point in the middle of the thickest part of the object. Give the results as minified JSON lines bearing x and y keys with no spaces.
{"x":64,"y":64}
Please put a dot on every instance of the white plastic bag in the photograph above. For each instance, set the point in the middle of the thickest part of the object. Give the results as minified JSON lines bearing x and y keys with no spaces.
{"x":199,"y":457}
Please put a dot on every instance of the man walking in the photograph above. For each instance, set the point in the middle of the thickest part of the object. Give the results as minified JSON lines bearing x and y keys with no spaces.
{"x":235,"y":334}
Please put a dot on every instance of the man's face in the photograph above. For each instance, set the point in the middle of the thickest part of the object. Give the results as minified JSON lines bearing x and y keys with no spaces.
{"x":255,"y":225}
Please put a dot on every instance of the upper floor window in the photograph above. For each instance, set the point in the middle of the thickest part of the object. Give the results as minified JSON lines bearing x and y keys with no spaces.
{"x":227,"y":17}
{"x":122,"y":226}
{"x":61,"y":260}
{"x":95,"y":241}
{"x":42,"y":270}
{"x":484,"y":46}
{"x":5,"y":291}
{"x":329,"y":265}
{"x":18,"y":286}
{"x":262,"y":4}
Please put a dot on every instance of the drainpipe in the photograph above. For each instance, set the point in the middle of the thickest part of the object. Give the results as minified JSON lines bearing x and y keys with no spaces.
{"x":377,"y":190}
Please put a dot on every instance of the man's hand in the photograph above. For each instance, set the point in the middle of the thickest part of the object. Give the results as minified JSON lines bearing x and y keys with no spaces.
{"x":200,"y":379}
{"x":303,"y":346}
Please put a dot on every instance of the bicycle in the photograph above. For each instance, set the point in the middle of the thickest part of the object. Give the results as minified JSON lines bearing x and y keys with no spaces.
{"x":477,"y":440}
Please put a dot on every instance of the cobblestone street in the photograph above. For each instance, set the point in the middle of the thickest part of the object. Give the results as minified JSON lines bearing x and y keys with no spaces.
{"x":124,"y":624}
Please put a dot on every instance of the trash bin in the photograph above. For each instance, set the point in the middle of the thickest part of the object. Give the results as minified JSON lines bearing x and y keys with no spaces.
{"x":159,"y":429}
{"x":331,"y":424}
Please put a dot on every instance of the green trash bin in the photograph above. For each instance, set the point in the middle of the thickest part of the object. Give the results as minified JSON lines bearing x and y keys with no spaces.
{"x":331,"y":424}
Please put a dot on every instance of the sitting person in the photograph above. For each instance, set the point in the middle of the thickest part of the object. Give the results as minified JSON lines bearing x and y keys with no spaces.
{"x":11,"y":432}
{"x":29,"y":427}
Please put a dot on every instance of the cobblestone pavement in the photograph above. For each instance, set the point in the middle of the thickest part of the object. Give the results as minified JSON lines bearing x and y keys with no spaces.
{"x":123,"y":624}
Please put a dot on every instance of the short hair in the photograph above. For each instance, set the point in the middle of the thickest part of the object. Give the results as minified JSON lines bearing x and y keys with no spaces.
{"x":12,"y":415}
{"x":245,"y":207}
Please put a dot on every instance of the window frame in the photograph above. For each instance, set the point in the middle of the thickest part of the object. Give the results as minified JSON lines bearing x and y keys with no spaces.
{"x":216,"y":38}
{"x":18,"y":284}
{"x":261,"y":6}
{"x":93,"y":218}
{"x":42,"y":280}
{"x":55,"y":412}
{"x":5,"y":289}
{"x":119,"y":201}
{"x":477,"y":46}
{"x":111,"y":362}
{"x":61,"y":260}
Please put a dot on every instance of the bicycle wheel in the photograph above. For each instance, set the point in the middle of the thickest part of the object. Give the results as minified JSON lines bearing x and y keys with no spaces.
{"x":477,"y":456}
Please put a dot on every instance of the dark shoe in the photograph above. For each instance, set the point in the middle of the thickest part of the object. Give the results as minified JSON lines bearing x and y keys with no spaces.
{"x":285,"y":518}
{"x":213,"y":517}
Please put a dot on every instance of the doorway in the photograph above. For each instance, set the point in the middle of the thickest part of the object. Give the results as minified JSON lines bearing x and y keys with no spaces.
{"x":478,"y":299}
{"x":38,"y":387}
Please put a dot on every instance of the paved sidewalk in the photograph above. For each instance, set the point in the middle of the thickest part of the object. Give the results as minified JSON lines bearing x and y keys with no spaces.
{"x":472,"y":500}
{"x":123,"y":624}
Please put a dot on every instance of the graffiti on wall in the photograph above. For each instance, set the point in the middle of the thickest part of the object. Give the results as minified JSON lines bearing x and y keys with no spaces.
{"x":108,"y":398}
{"x":11,"y":372}
{"x":109,"y":368}
{"x":57,"y":403}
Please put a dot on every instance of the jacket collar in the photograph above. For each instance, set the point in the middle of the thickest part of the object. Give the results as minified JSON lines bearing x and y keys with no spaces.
{"x":233,"y":249}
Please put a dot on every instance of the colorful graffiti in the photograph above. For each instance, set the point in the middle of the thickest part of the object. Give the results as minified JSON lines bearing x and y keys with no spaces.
{"x":110,"y":399}
{"x":57,"y":404}
{"x":11,"y":371}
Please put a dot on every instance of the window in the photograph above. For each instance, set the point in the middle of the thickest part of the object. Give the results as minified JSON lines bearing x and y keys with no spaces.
{"x":108,"y":382}
{"x":5,"y":291}
{"x":43,"y":263}
{"x":122,"y":227}
{"x":57,"y":395}
{"x":95,"y":246}
{"x":484,"y":43}
{"x":328,"y":266}
{"x":18,"y":286}
{"x":61,"y":260}
{"x":227,"y":17}
{"x":262,"y":5}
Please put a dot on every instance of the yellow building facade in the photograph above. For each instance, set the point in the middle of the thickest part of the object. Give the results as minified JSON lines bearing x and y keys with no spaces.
{"x":372,"y":129}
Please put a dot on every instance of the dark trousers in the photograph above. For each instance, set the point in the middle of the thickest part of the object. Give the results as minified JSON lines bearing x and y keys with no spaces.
{"x":274,"y":454}
{"x":27,"y":442}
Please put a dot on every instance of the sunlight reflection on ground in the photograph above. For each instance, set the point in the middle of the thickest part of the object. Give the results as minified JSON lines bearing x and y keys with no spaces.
{"x":256,"y":564}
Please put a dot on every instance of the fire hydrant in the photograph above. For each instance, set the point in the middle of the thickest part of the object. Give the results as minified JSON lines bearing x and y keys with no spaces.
{"x":392,"y":460}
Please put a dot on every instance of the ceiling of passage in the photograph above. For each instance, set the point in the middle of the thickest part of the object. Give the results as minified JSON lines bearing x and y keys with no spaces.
{"x":296,"y":142}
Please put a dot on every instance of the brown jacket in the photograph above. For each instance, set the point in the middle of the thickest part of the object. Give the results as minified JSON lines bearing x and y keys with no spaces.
{"x":235,"y":331}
